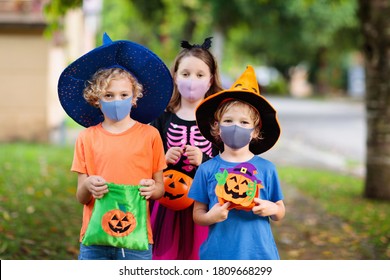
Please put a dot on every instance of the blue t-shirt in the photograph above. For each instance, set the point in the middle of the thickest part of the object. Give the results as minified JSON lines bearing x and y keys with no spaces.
{"x":243,"y":235}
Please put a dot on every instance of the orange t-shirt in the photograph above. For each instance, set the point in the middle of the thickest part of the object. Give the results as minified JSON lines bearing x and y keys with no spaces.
{"x":123,"y":158}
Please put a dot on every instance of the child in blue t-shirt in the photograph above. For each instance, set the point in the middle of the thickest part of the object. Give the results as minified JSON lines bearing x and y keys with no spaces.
{"x":237,"y":192}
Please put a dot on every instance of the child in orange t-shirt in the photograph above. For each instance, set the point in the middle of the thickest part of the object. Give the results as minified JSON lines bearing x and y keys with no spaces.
{"x":118,"y":146}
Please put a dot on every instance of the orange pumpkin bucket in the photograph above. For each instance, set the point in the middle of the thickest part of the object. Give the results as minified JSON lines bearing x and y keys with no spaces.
{"x":177,"y":185}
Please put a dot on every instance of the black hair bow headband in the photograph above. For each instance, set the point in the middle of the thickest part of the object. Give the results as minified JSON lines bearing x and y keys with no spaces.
{"x":206,"y":44}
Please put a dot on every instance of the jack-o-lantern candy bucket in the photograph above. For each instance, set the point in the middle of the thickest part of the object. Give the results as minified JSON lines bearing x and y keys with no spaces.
{"x":177,"y":186}
{"x":239,"y":186}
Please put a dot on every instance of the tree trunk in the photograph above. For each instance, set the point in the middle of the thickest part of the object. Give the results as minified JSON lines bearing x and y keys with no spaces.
{"x":375,"y":22}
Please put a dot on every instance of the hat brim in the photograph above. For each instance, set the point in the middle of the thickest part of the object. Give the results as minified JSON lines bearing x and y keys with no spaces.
{"x":146,"y":67}
{"x":270,"y":129}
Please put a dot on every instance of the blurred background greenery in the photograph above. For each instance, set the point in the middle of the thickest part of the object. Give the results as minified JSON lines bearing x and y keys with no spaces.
{"x":320,"y":36}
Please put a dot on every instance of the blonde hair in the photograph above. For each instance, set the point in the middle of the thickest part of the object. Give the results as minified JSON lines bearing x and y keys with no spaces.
{"x":225,"y":106}
{"x":97,"y":85}
{"x":210,"y":61}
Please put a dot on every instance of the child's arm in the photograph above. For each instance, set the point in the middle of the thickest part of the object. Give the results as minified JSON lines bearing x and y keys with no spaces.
{"x":264,"y":208}
{"x":90,"y":186}
{"x":217,"y":213}
{"x":153,"y":188}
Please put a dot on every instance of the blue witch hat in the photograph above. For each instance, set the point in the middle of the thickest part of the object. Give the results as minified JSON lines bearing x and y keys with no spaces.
{"x":142,"y":63}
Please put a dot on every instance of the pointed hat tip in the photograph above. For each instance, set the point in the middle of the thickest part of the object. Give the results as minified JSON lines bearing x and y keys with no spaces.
{"x":247,"y":80}
{"x":106,"y":39}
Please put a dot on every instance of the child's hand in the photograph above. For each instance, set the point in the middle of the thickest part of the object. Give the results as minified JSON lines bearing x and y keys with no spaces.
{"x":173,"y":155}
{"x":264,"y":208}
{"x":148,"y":188}
{"x":194,"y":155}
{"x":96,"y":185}
{"x":219,"y":213}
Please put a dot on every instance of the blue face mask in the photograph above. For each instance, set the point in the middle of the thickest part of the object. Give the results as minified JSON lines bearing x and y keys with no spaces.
{"x":235,"y":136}
{"x":116,"y":110}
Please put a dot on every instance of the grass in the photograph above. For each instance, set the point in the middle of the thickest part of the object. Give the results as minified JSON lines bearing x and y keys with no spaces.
{"x":40,"y":217}
{"x":341,"y":195}
{"x":70,"y":123}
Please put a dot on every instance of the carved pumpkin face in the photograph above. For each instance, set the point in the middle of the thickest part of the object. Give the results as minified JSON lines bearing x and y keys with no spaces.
{"x":118,"y":223}
{"x":176,"y":185}
{"x":237,"y":186}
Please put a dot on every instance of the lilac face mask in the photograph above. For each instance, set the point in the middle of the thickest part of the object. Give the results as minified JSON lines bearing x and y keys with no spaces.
{"x":193,"y":89}
{"x":116,"y":110}
{"x":235,"y":136}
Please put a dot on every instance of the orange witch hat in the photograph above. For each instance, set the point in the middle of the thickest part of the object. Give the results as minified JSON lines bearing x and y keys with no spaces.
{"x":245,"y":89}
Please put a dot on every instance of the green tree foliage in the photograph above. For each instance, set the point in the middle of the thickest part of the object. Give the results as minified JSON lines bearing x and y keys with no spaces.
{"x":279,"y":33}
{"x":55,"y":10}
{"x":284,"y":33}
{"x":274,"y":32}
{"x":159,"y":25}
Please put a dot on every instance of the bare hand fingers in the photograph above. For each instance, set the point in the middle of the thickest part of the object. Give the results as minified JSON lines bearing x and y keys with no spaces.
{"x":99,"y":192}
{"x":173,"y":155}
{"x":97,"y":181}
{"x":226,"y":205}
{"x":146,"y":192}
{"x":146,"y":182}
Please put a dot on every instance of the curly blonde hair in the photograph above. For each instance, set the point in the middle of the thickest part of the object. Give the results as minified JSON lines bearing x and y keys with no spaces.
{"x":97,"y":85}
{"x":225,"y":106}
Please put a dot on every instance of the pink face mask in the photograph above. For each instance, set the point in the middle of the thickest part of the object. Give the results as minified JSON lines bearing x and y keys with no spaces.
{"x":193,"y":89}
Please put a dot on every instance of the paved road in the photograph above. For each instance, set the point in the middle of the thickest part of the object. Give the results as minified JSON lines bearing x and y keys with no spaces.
{"x":328,"y":134}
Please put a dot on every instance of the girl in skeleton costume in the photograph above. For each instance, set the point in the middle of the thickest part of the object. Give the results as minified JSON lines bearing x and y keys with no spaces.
{"x":196,"y":77}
